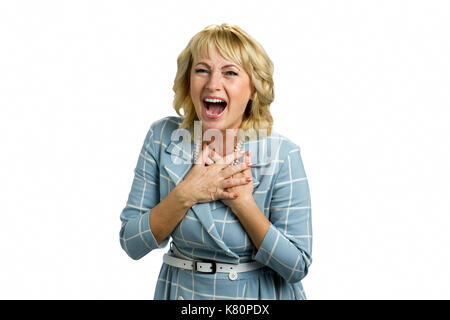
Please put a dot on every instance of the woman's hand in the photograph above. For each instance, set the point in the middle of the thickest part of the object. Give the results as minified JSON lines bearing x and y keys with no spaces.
{"x":209,"y":181}
{"x":245,"y":191}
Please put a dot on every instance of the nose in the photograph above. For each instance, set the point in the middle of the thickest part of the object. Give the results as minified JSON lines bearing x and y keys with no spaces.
{"x":214,"y":82}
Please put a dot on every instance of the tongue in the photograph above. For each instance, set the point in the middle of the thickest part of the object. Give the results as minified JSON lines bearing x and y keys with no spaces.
{"x":215,"y":108}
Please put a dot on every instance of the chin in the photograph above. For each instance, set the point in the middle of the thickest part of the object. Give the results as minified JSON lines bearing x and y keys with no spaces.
{"x":218,"y":125}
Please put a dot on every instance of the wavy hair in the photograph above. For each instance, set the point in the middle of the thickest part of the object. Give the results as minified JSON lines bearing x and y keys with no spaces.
{"x":235,"y":45}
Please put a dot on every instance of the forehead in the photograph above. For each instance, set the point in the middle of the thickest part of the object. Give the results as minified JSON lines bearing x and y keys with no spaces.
{"x":214,"y":55}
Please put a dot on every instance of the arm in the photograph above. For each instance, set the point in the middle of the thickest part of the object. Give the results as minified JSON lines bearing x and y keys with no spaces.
{"x":169,"y":212}
{"x":146,"y":221}
{"x":245,"y":208}
{"x":136,"y":237}
{"x":286,"y":247}
{"x":284,"y":241}
{"x":252,"y":220}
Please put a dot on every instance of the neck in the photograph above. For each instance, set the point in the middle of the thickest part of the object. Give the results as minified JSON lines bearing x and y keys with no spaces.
{"x":223,"y":141}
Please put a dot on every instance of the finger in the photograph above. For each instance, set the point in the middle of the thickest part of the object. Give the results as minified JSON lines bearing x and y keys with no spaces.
{"x":247,"y":160}
{"x":233,"y":182}
{"x":247,"y":157}
{"x":216,"y":157}
{"x":209,"y":161}
{"x":225,"y":195}
{"x":232,"y":170}
{"x":233,"y":156}
{"x":205,"y":153}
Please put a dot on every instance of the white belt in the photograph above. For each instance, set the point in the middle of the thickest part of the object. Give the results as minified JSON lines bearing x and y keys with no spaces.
{"x":211,"y":267}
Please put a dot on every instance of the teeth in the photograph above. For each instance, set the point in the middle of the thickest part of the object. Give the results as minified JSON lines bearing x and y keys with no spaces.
{"x":213,"y":100}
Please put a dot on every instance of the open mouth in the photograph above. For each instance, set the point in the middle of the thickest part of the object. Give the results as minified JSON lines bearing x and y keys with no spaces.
{"x":214,"y":108}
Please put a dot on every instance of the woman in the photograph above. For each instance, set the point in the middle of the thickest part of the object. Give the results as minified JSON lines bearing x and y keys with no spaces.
{"x":233,"y":195}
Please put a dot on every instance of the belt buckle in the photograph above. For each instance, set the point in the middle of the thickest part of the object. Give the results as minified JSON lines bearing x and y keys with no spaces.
{"x":213,"y":266}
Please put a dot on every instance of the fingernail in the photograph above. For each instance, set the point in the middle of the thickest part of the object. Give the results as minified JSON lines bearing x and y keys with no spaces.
{"x":248,"y":179}
{"x":235,"y":195}
{"x":249,"y":164}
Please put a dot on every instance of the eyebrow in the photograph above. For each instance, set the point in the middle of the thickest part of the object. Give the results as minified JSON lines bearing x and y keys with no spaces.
{"x":228,"y":65}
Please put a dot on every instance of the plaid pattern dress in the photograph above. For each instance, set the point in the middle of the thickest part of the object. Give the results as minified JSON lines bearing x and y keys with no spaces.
{"x":211,"y":231}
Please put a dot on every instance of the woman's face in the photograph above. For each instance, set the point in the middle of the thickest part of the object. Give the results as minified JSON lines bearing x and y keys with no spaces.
{"x":217,"y":78}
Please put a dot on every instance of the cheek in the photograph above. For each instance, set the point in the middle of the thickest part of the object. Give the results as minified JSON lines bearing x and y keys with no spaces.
{"x":242,"y":88}
{"x":242,"y":94}
{"x":191,"y":86}
{"x":195,"y":88}
{"x":194,"y":96}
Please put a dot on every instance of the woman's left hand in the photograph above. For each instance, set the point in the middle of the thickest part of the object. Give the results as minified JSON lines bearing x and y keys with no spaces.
{"x":244,"y":192}
{"x":245,"y":208}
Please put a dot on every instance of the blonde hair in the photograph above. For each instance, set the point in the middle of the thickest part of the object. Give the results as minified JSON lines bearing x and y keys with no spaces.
{"x":235,"y":45}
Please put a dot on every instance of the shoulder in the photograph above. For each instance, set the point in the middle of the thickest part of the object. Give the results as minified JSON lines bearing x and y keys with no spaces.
{"x":290,"y":157}
{"x":280,"y":146}
{"x":273,"y":154}
{"x":165,"y":126}
{"x":283,"y":155}
{"x":160,"y":131}
{"x":287,"y":144}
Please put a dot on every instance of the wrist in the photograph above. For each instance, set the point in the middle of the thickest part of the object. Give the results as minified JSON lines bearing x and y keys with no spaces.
{"x":242,"y":204}
{"x":184,"y":196}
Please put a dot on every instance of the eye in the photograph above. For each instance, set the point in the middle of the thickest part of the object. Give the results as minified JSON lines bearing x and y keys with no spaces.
{"x":231,"y":73}
{"x":200,"y":70}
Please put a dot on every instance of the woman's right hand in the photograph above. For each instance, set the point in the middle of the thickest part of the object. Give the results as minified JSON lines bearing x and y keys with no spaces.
{"x":209,"y":181}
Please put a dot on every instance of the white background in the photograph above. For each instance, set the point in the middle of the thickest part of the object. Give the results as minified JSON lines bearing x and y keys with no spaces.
{"x":361,"y":86}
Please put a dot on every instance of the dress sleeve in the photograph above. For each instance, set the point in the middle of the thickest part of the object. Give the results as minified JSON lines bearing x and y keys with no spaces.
{"x":286,"y":247}
{"x":136,"y":237}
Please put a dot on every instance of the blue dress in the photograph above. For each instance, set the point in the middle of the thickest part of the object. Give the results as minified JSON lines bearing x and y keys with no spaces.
{"x":211,"y":231}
